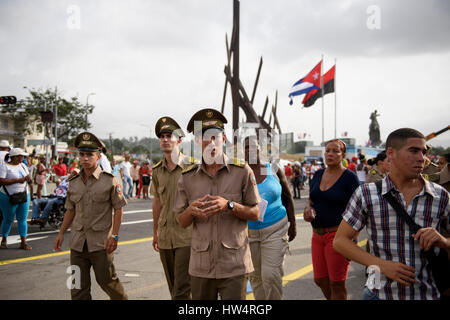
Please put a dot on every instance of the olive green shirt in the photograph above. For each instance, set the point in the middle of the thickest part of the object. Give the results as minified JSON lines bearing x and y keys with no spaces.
{"x":374,"y":175}
{"x":164,"y":187}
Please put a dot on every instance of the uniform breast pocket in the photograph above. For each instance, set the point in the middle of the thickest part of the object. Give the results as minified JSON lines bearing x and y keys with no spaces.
{"x":75,"y":198}
{"x":233,"y":248}
{"x":200,"y":257}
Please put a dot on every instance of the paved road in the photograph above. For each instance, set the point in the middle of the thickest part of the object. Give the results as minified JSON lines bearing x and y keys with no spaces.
{"x":42,"y":273}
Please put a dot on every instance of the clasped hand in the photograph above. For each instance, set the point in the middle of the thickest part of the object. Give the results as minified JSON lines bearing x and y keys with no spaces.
{"x":208,"y":206}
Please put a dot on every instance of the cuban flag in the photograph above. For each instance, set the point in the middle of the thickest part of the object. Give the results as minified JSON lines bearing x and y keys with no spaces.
{"x":308,"y":83}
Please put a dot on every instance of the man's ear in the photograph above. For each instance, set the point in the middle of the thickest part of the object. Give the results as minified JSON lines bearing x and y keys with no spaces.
{"x":390,"y":153}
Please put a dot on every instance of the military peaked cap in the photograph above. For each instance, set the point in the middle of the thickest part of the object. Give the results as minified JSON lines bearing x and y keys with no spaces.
{"x":86,"y":141}
{"x":167,"y":124}
{"x":210,"y":118}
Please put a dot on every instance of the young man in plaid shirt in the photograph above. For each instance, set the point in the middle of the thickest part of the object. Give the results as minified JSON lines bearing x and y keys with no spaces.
{"x":405,"y":272}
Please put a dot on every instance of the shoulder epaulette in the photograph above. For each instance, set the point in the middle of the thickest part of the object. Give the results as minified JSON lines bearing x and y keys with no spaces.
{"x":238,"y":162}
{"x":189,"y":168}
{"x":157,"y":165}
{"x":74,"y":177}
{"x":108,"y":173}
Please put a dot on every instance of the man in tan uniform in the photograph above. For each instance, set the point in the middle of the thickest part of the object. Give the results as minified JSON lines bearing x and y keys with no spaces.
{"x":380,"y":167}
{"x":169,"y":238}
{"x":217,"y":197}
{"x":91,"y":198}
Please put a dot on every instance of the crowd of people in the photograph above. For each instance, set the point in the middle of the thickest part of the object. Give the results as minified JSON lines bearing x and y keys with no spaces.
{"x":24,"y":171}
{"x":222,"y":221}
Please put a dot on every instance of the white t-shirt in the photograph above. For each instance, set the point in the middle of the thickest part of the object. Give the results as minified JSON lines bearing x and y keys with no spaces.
{"x":361,"y":175}
{"x":125,"y":166}
{"x":9,"y":171}
{"x":2,"y":156}
{"x":104,"y":162}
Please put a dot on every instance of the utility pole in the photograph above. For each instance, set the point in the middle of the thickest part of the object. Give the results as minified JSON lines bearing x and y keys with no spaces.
{"x":110,"y":143}
{"x":86,"y":115}
{"x":55,"y":107}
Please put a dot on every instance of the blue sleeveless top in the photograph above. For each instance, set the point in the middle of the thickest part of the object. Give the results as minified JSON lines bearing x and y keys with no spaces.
{"x":270,"y":190}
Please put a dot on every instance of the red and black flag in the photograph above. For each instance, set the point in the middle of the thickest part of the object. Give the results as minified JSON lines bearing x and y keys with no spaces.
{"x":328,"y":86}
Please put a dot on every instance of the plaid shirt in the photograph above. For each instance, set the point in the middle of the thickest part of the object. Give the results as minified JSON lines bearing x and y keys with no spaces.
{"x":390,"y":237}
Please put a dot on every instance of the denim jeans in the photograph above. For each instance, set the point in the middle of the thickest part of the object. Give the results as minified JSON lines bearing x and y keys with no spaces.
{"x":36,"y":212}
{"x":369,"y":295}
{"x":127,"y":186}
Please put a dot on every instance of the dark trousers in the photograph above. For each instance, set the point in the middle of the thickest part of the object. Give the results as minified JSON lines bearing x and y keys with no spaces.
{"x":136,"y":186}
{"x":105,"y":274}
{"x":229,"y":288}
{"x":176,"y":267}
{"x":296,"y":185}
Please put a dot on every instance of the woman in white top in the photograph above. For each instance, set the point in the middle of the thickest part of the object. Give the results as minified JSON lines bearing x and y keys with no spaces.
{"x":361,"y":170}
{"x":14,"y":176}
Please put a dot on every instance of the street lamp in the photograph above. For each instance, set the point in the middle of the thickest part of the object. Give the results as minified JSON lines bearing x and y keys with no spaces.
{"x":86,"y":115}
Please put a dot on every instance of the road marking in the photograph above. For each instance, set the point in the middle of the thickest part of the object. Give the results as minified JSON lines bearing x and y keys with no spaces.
{"x":137,"y":221}
{"x":137,"y":211}
{"x":55,"y":254}
{"x":5,"y":262}
{"x":299,"y":273}
{"x":125,"y":212}
{"x":146,"y":288}
{"x":17,"y":239}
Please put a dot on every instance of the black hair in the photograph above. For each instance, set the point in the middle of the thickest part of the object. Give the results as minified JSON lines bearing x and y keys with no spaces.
{"x":380,"y":157}
{"x":397,"y":139}
{"x":447,"y":157}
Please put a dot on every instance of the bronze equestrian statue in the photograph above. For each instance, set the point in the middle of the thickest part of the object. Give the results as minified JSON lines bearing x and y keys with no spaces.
{"x":374,"y":130}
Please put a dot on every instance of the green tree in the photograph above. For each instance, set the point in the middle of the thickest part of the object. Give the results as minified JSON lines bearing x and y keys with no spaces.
{"x":71,"y":113}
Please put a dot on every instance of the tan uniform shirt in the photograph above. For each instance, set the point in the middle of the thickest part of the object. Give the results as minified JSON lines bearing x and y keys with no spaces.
{"x":93,"y":203}
{"x":164,"y":187}
{"x":429,"y":169}
{"x":219,"y":246}
{"x":442,"y":178}
{"x":374,"y":175}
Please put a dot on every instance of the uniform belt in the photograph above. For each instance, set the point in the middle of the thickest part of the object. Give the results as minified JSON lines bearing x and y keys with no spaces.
{"x":322,"y":231}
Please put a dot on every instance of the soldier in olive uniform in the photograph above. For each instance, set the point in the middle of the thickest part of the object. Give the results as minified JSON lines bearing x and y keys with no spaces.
{"x":430,"y":168}
{"x":169,"y":238}
{"x":92,"y":196}
{"x":443,"y":178}
{"x":380,"y":167}
{"x":217,"y":197}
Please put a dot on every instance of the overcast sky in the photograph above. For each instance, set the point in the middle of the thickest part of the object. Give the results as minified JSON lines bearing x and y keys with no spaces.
{"x":153,"y":58}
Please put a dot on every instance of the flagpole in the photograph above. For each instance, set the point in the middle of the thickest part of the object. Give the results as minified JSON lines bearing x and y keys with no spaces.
{"x":321,"y":88}
{"x":335,"y":100}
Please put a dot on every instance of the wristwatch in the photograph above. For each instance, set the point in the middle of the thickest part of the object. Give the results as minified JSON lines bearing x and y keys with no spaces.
{"x":115,"y":237}
{"x":230,"y":205}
